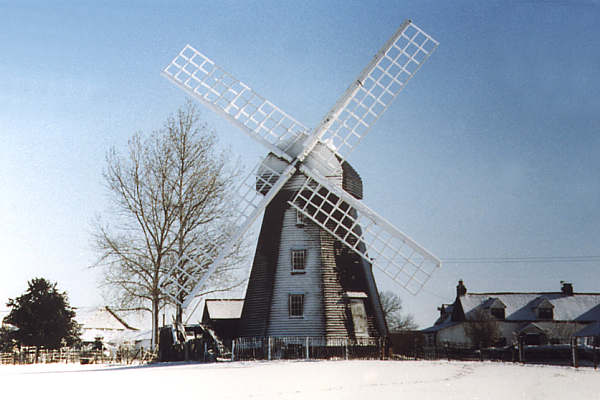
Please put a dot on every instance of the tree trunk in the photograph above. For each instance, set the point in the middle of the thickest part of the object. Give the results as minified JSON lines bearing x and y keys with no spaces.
{"x":179,"y":314}
{"x":155,"y":311}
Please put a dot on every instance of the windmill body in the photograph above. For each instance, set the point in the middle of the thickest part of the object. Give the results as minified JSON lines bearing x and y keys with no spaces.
{"x":298,"y":261}
{"x":312,"y":269}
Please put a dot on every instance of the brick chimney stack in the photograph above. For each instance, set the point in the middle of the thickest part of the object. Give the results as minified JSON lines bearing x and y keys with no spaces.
{"x":566,"y":288}
{"x":461,"y":289}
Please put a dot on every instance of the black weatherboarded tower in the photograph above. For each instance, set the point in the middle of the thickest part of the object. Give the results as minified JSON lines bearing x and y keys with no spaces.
{"x":305,"y":282}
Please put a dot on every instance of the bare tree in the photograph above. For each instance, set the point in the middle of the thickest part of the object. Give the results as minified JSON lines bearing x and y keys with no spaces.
{"x":392,"y":310}
{"x":482,"y":329}
{"x":171,"y":196}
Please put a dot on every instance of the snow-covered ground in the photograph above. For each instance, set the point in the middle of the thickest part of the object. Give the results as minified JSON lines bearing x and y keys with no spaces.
{"x":302,"y":380}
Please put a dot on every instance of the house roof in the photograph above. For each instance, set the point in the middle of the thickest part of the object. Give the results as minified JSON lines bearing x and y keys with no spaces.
{"x":531,"y":328}
{"x":493,"y":302}
{"x":446,"y":323}
{"x":356,"y":295}
{"x":582,"y":307}
{"x":521,"y":307}
{"x":98,"y":318}
{"x":224,"y":308}
{"x":590,"y":330}
{"x":111,"y":325}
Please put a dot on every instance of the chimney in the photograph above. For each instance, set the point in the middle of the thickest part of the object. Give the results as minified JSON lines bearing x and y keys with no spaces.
{"x":566,"y":288}
{"x":461,"y":289}
{"x":442,"y":311}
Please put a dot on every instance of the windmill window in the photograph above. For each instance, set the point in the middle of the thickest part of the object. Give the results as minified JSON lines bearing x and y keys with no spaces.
{"x":300,"y":219}
{"x":298,"y":261}
{"x":296,"y":304}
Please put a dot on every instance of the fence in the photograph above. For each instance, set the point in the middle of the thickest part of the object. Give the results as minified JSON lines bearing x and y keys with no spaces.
{"x":556,"y":351}
{"x":33,"y":355}
{"x":559,"y":354}
{"x":306,"y":347}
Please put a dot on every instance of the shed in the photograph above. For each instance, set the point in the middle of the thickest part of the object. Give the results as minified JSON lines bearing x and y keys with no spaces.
{"x":223,"y":316}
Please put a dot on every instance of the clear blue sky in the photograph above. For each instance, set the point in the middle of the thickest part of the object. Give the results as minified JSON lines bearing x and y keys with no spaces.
{"x":493,"y":150}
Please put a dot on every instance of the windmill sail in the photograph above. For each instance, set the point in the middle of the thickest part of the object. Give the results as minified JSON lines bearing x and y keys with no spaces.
{"x":366,"y":233}
{"x":375,"y":88}
{"x":294,"y":174}
{"x":222,"y":92}
{"x":187,"y":276}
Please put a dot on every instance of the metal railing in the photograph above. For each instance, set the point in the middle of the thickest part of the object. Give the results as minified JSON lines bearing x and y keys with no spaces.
{"x":306,"y":347}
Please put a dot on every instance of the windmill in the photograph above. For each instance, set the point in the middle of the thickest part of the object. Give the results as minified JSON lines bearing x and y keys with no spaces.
{"x":312,"y":271}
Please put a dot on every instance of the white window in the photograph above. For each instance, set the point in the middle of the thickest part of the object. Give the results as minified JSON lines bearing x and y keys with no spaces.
{"x":298,"y":261}
{"x":296,"y":303}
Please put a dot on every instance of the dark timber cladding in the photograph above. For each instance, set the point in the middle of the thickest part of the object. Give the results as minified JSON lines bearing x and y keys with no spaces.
{"x":255,"y":314}
{"x":337,"y":322}
{"x":351,"y":181}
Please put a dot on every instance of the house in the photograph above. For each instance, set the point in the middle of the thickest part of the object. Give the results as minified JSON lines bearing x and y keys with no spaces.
{"x":502,"y":318}
{"x":113,"y":328}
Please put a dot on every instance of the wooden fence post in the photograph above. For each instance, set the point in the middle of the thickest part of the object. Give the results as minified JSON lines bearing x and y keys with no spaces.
{"x":521,"y":350}
{"x":269,"y":348}
{"x":307,"y":348}
{"x":574,"y":352}
{"x":346,"y":347}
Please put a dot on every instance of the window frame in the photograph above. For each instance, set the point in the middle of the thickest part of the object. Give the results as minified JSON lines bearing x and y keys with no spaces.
{"x":298,"y":261}
{"x":498,"y":313}
{"x":295,"y":309}
{"x":545,"y":313}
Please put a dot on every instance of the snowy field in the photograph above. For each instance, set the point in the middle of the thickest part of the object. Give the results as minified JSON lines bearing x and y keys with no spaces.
{"x":302,"y":380}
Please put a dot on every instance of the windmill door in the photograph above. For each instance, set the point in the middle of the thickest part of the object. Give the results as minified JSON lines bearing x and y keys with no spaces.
{"x":359,"y":317}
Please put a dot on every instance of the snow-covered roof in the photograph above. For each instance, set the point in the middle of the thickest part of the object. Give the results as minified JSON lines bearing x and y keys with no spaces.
{"x":98,"y":318}
{"x":356,"y":295}
{"x":115,"y":337}
{"x":493,"y":302}
{"x":113,"y":326}
{"x":136,"y":319}
{"x":224,"y":308}
{"x":521,"y":306}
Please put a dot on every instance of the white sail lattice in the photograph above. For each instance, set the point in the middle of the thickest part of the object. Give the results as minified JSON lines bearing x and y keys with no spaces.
{"x":187,"y":276}
{"x":376,"y":87}
{"x":221,"y":91}
{"x":364,"y":232}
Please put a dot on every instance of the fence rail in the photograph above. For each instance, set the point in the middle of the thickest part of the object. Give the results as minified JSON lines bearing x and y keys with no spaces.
{"x":560,"y":354}
{"x":34,"y":355}
{"x":306,"y":347}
